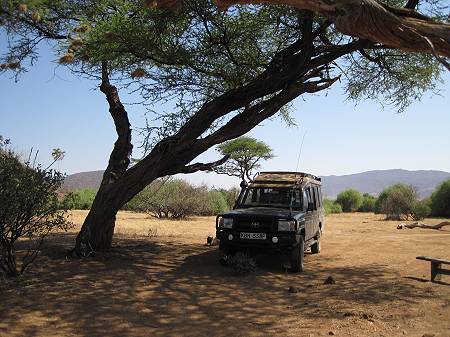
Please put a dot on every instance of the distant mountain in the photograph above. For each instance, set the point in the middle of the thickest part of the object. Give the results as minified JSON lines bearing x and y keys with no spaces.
{"x":372,"y":182}
{"x":89,"y":179}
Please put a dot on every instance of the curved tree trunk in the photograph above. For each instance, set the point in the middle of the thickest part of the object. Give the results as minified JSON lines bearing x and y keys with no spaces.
{"x":98,"y":228}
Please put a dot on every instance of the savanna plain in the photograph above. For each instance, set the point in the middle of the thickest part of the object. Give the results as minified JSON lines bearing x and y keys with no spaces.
{"x":161,"y":279}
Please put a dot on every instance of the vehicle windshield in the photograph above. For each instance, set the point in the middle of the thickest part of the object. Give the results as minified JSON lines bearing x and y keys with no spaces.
{"x":272,"y":197}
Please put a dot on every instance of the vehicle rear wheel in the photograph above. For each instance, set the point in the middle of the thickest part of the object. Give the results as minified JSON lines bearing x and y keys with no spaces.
{"x":315,"y":248}
{"x":297,"y":256}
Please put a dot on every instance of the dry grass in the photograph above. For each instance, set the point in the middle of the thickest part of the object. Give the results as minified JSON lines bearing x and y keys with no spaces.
{"x":170,"y":284}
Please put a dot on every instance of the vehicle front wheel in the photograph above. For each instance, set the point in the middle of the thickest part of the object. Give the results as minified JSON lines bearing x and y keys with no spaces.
{"x":297,"y":256}
{"x":224,"y":254}
{"x":315,"y":248}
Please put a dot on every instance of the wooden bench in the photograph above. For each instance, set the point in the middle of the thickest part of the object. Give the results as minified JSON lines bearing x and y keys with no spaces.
{"x":436,"y":267}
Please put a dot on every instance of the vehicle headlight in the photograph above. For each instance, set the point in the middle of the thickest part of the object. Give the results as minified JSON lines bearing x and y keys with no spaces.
{"x":226,"y":223}
{"x":286,"y":225}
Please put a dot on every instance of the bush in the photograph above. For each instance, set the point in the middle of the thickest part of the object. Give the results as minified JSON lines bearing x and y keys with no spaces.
{"x":368,"y":203}
{"x":396,"y":202}
{"x":217,"y":203}
{"x":440,"y":200}
{"x":331,"y":206}
{"x":79,"y":199}
{"x":29,"y":209}
{"x":174,"y":198}
{"x":420,"y":209}
{"x":242,"y":263}
{"x":231,"y":196}
{"x":350,"y":200}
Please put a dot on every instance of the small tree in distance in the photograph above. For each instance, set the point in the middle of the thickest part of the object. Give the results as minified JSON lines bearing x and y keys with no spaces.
{"x":440,"y":200}
{"x":245,"y":155}
{"x":396,"y":202}
{"x":350,"y":200}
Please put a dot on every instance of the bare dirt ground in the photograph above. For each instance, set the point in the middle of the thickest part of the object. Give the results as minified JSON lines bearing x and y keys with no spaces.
{"x":160,"y":280}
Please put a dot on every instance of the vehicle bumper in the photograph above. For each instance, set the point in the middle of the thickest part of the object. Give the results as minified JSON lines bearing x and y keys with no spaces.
{"x":286,"y":240}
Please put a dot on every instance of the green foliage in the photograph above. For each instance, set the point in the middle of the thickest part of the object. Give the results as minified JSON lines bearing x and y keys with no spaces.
{"x":440,"y":200}
{"x":396,"y":202}
{"x":368,"y":203}
{"x":231,"y":196}
{"x":29,"y":209}
{"x":176,"y":198}
{"x":420,"y":209}
{"x":245,"y":156}
{"x":79,"y":199}
{"x":217,"y":202}
{"x":350,"y":200}
{"x":331,"y":206}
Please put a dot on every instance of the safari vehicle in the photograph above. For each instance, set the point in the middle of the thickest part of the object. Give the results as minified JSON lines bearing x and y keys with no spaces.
{"x":278,"y":212}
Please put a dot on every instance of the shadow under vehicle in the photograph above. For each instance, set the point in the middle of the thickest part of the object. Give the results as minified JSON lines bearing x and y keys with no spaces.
{"x":276,"y":213}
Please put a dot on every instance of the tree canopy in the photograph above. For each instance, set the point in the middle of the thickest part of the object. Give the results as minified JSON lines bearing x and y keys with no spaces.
{"x":245,"y":155}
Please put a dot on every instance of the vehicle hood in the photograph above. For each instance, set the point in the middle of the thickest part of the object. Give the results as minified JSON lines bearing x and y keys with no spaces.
{"x":263,"y":211}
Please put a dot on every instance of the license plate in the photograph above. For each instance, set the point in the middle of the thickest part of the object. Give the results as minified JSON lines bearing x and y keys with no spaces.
{"x":253,"y":236}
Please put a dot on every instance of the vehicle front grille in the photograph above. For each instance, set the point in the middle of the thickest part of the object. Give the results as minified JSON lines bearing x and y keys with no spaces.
{"x":253,"y":224}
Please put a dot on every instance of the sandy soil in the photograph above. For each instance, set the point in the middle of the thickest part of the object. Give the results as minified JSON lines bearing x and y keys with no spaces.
{"x":160,"y":280}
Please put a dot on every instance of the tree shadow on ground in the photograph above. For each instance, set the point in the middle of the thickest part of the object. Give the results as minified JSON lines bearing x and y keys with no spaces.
{"x":152,"y":288}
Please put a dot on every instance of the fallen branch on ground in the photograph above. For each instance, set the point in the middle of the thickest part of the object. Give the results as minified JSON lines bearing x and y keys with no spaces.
{"x":422,"y":225}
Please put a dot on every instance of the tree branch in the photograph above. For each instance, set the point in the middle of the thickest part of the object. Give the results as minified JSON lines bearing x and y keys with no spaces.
{"x":203,"y":167}
{"x":368,"y":19}
{"x":119,"y":159}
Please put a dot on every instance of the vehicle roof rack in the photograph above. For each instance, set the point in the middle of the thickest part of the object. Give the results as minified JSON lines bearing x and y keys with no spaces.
{"x":283,"y":178}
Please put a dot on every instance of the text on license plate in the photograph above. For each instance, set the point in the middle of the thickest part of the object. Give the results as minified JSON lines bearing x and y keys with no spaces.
{"x":253,"y":236}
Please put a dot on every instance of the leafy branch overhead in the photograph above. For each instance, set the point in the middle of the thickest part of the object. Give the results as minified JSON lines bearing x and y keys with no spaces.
{"x":376,"y":21}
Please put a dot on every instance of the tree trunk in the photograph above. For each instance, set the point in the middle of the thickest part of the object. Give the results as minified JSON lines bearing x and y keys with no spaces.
{"x":8,"y":266}
{"x":98,"y":227}
{"x":425,"y":226}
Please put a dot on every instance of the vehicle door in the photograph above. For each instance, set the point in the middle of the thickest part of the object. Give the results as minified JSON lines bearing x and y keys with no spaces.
{"x":309,"y":217}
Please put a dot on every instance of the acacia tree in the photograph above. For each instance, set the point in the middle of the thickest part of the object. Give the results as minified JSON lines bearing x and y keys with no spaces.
{"x":245,"y":155}
{"x":220,"y":72}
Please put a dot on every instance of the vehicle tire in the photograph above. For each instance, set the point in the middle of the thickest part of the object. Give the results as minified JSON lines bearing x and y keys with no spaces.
{"x":315,"y":248}
{"x":225,"y":252}
{"x":297,"y":256}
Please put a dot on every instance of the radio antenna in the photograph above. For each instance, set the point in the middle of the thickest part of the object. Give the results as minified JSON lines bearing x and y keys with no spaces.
{"x":300,"y":152}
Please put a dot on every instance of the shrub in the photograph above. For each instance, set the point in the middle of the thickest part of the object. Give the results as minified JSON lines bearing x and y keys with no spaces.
{"x":368,"y":203}
{"x":217,"y":203}
{"x":440,"y":200}
{"x":242,"y":263}
{"x":29,"y":209}
{"x":350,"y":200}
{"x":420,"y":209}
{"x":231,"y":196}
{"x":79,"y":199}
{"x":173,"y":198}
{"x":396,"y":202}
{"x":331,"y":206}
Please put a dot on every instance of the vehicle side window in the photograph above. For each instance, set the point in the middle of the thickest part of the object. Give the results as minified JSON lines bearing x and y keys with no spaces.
{"x":320,"y":196}
{"x":310,"y":194}
{"x":316,"y":203}
{"x":316,"y":194}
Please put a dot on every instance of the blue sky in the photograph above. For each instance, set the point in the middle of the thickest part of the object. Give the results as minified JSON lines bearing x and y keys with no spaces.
{"x":49,"y":107}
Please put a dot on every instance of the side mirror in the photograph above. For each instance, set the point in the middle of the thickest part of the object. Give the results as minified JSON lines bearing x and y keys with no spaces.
{"x":310,"y":206}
